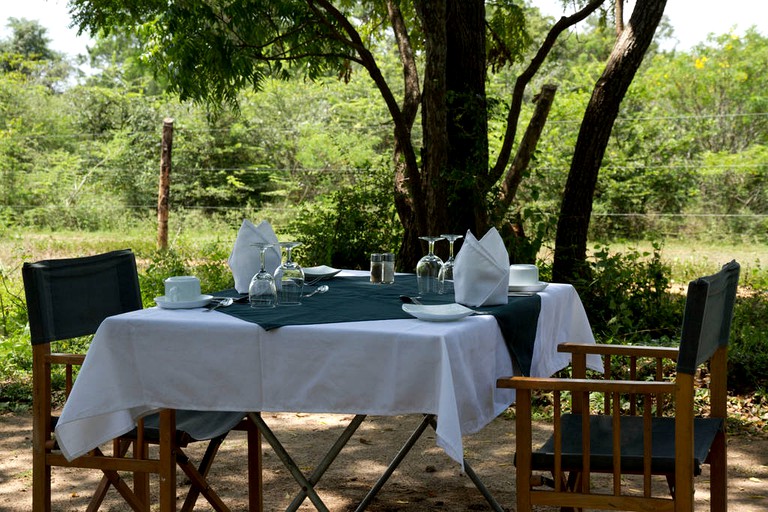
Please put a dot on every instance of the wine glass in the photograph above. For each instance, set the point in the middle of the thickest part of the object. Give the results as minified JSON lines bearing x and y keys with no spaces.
{"x":445,"y":276}
{"x":428,"y":267}
{"x":262,"y":292}
{"x":289,"y":278}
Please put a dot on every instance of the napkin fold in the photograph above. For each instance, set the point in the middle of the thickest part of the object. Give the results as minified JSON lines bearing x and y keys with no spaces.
{"x":244,"y":260}
{"x":481,"y":271}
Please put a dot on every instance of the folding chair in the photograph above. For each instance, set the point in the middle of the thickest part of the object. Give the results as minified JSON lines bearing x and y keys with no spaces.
{"x":635,"y":433}
{"x":69,"y":298}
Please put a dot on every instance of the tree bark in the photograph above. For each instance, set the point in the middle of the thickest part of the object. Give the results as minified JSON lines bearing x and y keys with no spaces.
{"x":410,"y":250}
{"x":164,"y":185}
{"x":434,"y":153}
{"x":466,"y":206}
{"x":624,"y":61}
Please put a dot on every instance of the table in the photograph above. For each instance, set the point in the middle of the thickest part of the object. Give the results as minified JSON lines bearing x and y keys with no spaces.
{"x":154,"y":359}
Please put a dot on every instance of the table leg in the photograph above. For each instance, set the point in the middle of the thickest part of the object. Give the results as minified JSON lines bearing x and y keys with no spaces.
{"x":395,"y":462}
{"x":288,"y":462}
{"x":475,"y":479}
{"x":328,"y":460}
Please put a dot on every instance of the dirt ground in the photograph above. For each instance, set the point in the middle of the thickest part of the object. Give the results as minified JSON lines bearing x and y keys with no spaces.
{"x":426,"y":480}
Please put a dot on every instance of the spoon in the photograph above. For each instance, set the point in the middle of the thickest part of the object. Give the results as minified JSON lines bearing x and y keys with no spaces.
{"x":320,"y":289}
{"x":222,"y":303}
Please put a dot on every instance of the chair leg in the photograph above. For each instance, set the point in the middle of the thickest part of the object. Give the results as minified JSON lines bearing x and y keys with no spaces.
{"x":671,"y":485}
{"x":573,"y":483}
{"x":198,"y":481}
{"x":718,"y":467}
{"x":41,"y":483}
{"x":125,"y":491}
{"x":255,"y":483}
{"x":119,"y":449}
{"x":202,"y":470}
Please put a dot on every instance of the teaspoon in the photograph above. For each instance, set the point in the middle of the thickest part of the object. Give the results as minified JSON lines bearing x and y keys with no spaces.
{"x":320,"y":289}
{"x":222,"y":303}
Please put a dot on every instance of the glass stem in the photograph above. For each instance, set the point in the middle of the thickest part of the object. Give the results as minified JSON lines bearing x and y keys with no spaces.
{"x":262,"y":257}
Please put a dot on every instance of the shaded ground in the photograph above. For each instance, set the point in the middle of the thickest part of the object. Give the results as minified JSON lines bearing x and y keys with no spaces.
{"x":427,"y":479}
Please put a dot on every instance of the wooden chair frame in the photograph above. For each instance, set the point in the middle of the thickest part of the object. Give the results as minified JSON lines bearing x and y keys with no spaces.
{"x":45,"y":453}
{"x":648,"y":398}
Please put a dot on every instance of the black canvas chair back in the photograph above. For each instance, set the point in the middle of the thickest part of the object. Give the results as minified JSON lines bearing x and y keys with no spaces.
{"x":708,"y":314}
{"x":68,"y":298}
{"x":646,"y":426}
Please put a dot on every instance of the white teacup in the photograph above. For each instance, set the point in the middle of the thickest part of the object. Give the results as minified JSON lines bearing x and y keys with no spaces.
{"x":182,"y":288}
{"x":523,"y":275}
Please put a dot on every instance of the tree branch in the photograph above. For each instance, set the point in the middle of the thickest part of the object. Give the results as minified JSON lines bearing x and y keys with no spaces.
{"x":402,"y":127}
{"x":410,"y":70}
{"x":526,"y":76}
{"x":523,"y":157}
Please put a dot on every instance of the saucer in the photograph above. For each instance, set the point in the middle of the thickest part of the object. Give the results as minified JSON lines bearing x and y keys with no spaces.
{"x":320,"y":273}
{"x":437,"y":312}
{"x":202,"y":300}
{"x":528,"y":288}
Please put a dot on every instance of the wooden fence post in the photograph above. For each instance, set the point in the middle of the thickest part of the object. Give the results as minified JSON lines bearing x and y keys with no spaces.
{"x":165,"y":184}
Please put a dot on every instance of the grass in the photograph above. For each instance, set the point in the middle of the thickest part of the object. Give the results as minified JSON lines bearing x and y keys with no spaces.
{"x":205,"y":246}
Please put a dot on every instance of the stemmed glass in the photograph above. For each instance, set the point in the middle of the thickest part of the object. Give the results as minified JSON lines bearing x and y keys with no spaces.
{"x":289,"y":278}
{"x":262,"y":292}
{"x":445,"y":276}
{"x":428,"y":267}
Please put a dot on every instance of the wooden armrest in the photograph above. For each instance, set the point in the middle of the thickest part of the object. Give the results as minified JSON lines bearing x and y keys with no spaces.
{"x":620,"y":350}
{"x":604,"y":386}
{"x":61,"y":358}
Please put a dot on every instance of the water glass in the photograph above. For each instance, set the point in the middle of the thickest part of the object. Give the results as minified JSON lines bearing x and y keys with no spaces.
{"x":289,"y":278}
{"x":428,"y":268}
{"x":262,"y":292}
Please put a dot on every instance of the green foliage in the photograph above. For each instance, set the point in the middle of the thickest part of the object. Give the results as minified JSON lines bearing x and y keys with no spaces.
{"x":747,"y":354}
{"x":628,"y":295}
{"x":207,"y":262}
{"x":346,"y":227}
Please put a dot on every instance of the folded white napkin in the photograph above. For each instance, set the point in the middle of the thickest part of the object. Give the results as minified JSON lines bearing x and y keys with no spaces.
{"x":481,"y":271}
{"x":244,"y":260}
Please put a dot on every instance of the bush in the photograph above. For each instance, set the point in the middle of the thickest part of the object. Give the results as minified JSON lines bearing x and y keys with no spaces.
{"x":342,"y":229}
{"x":209,"y":263}
{"x":628,"y":296}
{"x":748,"y":350}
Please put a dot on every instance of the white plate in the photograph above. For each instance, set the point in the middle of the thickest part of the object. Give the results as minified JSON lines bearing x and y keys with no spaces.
{"x":527,"y":288}
{"x":202,"y":300}
{"x":321,"y":272}
{"x":437,"y":312}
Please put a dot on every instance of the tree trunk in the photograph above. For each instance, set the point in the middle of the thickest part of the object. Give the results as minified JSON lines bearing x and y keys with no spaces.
{"x":434,"y":155}
{"x":454,"y":123}
{"x":624,"y":61}
{"x":467,"y":122}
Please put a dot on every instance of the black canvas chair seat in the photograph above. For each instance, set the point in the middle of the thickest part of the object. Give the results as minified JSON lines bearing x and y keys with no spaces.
{"x":192,"y":426}
{"x":601,"y":449}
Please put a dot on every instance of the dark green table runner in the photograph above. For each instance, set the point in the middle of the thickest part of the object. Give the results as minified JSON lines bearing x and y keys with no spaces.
{"x":355,"y":299}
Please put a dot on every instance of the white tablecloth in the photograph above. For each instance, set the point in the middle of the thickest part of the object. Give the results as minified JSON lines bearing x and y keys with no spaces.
{"x":154,"y":358}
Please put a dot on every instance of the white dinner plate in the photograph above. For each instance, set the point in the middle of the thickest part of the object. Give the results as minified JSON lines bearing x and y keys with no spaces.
{"x":319,"y":273}
{"x":527,"y":288}
{"x":202,"y":300}
{"x":437,"y":312}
